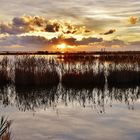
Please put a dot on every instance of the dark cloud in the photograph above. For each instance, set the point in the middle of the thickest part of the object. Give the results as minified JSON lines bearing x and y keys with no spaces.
{"x":65,"y":28}
{"x":60,"y":40}
{"x":23,"y":24}
{"x":135,"y":44}
{"x":111,"y":31}
{"x":35,"y":41}
{"x":73,"y":42}
{"x":11,"y":29}
{"x":87,"y":41}
{"x":113,"y":42}
{"x":54,"y":27}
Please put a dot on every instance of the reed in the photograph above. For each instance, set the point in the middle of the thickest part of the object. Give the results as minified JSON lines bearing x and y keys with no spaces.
{"x":121,"y":58}
{"x":123,"y":78}
{"x":83,"y":79}
{"x":4,"y":76}
{"x":31,"y":71}
{"x":76,"y":57}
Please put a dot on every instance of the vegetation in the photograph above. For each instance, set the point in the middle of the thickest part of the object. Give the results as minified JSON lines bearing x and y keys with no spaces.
{"x":4,"y":76}
{"x":83,"y":79}
{"x":34,"y":98}
{"x":76,"y":70}
{"x":5,"y":129}
{"x":123,"y":78}
{"x":32,"y":71}
{"x":121,"y":58}
{"x":76,"y":57}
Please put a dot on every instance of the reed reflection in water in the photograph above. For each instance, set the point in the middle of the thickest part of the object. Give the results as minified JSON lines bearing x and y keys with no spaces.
{"x":26,"y":99}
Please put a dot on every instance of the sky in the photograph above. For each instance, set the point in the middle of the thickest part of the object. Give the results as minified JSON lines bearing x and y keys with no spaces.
{"x":79,"y":25}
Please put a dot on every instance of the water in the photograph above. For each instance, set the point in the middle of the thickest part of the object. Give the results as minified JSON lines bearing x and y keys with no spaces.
{"x":64,"y":113}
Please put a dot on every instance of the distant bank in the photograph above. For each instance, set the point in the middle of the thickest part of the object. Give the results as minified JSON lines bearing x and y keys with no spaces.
{"x":69,"y":53}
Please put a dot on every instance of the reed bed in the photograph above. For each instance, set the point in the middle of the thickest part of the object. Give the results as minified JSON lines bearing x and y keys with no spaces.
{"x":32,"y":71}
{"x":76,"y":57}
{"x":123,"y":78}
{"x":83,"y":79}
{"x":4,"y":76}
{"x":83,"y":74}
{"x":76,"y":70}
{"x":121,"y":58}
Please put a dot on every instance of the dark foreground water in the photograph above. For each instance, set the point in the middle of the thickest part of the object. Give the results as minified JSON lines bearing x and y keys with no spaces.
{"x":70,"y":113}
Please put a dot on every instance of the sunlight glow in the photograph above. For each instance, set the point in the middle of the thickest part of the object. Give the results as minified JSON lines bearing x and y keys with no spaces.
{"x":61,"y":46}
{"x":64,"y":47}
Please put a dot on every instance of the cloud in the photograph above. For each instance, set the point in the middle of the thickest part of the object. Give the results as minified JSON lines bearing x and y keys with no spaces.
{"x":29,"y":20}
{"x":73,"y":42}
{"x":89,"y":40}
{"x":136,"y":43}
{"x":38,"y":42}
{"x":35,"y":43}
{"x":25,"y":43}
{"x":132,"y":20}
{"x":23,"y":24}
{"x":26,"y":24}
{"x":54,"y":27}
{"x":113,"y":42}
{"x":111,"y":31}
{"x":65,"y":28}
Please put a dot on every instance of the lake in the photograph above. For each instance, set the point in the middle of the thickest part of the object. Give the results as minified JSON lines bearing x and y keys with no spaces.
{"x":85,"y":99}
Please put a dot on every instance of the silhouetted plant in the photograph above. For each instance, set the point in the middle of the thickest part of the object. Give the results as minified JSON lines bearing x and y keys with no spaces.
{"x":5,"y":129}
{"x":83,"y":79}
{"x":4,"y":76}
{"x":31,"y":71}
{"x":123,"y":78}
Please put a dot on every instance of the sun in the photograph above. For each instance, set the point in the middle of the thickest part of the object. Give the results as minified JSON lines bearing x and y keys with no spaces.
{"x":61,"y":46}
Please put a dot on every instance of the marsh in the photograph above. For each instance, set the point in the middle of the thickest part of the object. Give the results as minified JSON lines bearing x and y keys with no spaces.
{"x":58,"y":97}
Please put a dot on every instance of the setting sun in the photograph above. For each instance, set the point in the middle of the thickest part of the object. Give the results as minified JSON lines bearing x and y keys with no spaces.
{"x":61,"y":46}
{"x":64,"y":47}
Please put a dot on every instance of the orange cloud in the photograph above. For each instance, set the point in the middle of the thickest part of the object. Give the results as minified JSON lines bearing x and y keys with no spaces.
{"x":132,"y":20}
{"x":115,"y":46}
